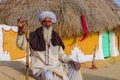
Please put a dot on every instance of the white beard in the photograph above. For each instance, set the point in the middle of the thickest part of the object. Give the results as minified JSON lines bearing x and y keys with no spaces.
{"x":47,"y":32}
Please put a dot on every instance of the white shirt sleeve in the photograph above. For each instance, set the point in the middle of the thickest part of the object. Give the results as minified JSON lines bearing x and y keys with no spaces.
{"x":62,"y":56}
{"x":21,"y":41}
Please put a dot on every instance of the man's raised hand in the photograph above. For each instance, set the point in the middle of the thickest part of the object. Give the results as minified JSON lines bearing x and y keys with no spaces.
{"x":21,"y":22}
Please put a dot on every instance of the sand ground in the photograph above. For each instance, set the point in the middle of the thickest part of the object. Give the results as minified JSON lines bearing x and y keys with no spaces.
{"x":108,"y":69}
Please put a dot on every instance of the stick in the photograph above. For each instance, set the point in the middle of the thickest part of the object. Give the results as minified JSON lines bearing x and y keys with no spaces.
{"x":27,"y":52}
{"x":28,"y":46}
{"x":93,"y":61}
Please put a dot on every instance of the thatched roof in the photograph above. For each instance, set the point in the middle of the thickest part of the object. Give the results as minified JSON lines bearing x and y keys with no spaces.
{"x":98,"y":13}
{"x":116,"y":10}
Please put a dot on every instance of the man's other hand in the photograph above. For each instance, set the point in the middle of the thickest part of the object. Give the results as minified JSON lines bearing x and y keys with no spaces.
{"x":75,"y":65}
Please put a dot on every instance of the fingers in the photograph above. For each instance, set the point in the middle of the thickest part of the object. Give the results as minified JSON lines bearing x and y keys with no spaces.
{"x":75,"y":65}
{"x":23,"y":19}
{"x":22,"y":22}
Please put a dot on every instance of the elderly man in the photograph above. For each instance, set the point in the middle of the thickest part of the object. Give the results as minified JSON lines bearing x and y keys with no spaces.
{"x":48,"y":60}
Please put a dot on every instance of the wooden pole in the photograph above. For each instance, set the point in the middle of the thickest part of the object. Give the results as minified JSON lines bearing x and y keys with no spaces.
{"x":28,"y":46}
{"x":27,"y":52}
{"x":93,"y":61}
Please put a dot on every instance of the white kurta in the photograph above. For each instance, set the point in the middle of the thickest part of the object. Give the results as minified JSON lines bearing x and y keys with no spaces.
{"x":54,"y":63}
{"x":53,"y":59}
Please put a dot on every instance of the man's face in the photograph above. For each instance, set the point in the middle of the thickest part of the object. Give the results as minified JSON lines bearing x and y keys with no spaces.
{"x":47,"y":22}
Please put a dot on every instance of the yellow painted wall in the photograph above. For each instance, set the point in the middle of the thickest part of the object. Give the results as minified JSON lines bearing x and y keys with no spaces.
{"x":87,"y":45}
{"x":69,"y":44}
{"x":9,"y":44}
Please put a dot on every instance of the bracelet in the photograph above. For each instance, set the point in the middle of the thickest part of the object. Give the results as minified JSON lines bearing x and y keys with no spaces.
{"x":21,"y":33}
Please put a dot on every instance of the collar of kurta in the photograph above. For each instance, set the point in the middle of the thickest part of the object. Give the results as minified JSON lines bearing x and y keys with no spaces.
{"x":37,"y":41}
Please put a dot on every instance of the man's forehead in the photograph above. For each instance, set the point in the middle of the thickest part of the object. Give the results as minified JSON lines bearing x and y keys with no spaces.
{"x":47,"y":18}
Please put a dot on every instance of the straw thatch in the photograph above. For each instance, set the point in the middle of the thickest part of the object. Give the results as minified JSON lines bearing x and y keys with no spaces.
{"x":98,"y":13}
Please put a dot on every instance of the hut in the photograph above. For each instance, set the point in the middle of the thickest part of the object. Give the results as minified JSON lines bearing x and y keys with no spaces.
{"x":86,"y":26}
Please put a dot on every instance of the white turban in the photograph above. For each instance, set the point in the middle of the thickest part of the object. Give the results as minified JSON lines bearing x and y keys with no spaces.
{"x":49,"y":14}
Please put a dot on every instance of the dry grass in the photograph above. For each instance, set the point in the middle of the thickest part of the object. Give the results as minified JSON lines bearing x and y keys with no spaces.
{"x":98,"y":13}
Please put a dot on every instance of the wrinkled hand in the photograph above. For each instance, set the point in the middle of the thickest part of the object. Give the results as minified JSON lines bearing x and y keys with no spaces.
{"x":75,"y":65}
{"x":21,"y":22}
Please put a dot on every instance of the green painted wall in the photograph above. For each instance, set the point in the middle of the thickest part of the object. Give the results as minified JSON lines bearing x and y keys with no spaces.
{"x":106,"y":45}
